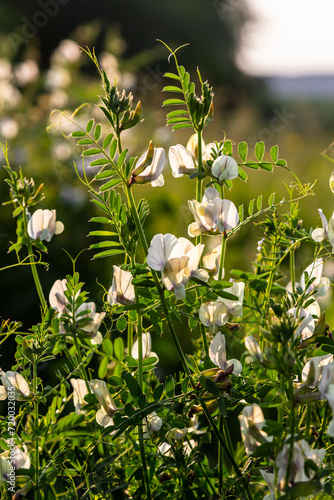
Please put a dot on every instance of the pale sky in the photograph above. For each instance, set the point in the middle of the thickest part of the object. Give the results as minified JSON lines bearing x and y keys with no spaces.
{"x":288,"y":38}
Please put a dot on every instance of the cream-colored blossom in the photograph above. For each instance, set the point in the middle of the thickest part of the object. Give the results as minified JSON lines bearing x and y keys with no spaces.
{"x":13,"y":380}
{"x":122,"y":290}
{"x":225,"y":168}
{"x":213,"y":214}
{"x":251,"y":423}
{"x":327,"y":230}
{"x":301,"y":452}
{"x":177,"y":259}
{"x":213,"y":314}
{"x":79,"y":393}
{"x":320,"y":283}
{"x":108,"y":407}
{"x":43,"y":225}
{"x":217,"y":353}
{"x":149,"y":167}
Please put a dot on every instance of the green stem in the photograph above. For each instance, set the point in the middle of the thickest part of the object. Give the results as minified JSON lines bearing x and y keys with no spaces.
{"x":199,"y":178}
{"x":204,"y":339}
{"x":292,"y":269}
{"x":292,"y":436}
{"x":220,"y":459}
{"x":36,"y":427}
{"x":222,"y":257}
{"x":308,"y":420}
{"x":33,"y":263}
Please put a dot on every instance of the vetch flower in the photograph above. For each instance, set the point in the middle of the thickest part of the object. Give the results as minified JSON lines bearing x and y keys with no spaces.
{"x":181,"y":161}
{"x":320,"y":283}
{"x":79,"y":393}
{"x":217,"y":353}
{"x":17,"y":458}
{"x":270,"y":482}
{"x":234,"y":307}
{"x":89,"y":321}
{"x":211,"y":262}
{"x":146,"y":347}
{"x":315,"y":366}
{"x":43,"y":225}
{"x":254,"y":350}
{"x":326,"y":389}
{"x":224,"y":168}
{"x":327,"y":231}
{"x":122,"y":290}
{"x":251,"y":423}
{"x":149,"y":167}
{"x":57,"y":297}
{"x":153,"y":422}
{"x":177,"y":259}
{"x":13,"y":380}
{"x":213,"y":214}
{"x":213,"y":314}
{"x":331,"y":182}
{"x":301,"y":452}
{"x":305,"y":318}
{"x":108,"y":407}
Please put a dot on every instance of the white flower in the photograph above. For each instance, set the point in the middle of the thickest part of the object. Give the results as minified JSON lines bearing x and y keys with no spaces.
{"x":217,"y":353}
{"x":108,"y":407}
{"x":331,"y":182}
{"x":212,"y":214}
{"x":79,"y":393}
{"x":122,"y":290}
{"x":13,"y":380}
{"x":149,"y":167}
{"x":181,"y":161}
{"x":301,"y":451}
{"x":327,"y":231}
{"x":326,"y":389}
{"x":225,"y":168}
{"x":318,"y":363}
{"x":234,"y":307}
{"x":57,"y":297}
{"x":251,"y":423}
{"x":270,"y":481}
{"x":320,"y":283}
{"x":306,"y":325}
{"x":43,"y":225}
{"x":213,"y":314}
{"x":89,"y":321}
{"x":146,"y":347}
{"x":254,"y":350}
{"x":211,"y":262}
{"x":18,"y":457}
{"x":153,"y":422}
{"x":177,"y":259}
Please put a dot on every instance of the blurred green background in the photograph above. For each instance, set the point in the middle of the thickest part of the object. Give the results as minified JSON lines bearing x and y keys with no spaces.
{"x":42,"y":69}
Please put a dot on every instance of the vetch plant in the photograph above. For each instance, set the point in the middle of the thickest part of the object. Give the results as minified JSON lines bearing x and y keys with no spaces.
{"x":249,"y":412}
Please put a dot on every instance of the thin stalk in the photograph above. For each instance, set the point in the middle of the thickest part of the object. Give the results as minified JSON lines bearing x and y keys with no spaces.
{"x":308,"y":420}
{"x":36,"y":426}
{"x":292,"y":434}
{"x":204,"y":339}
{"x":33,"y":263}
{"x":220,"y":460}
{"x":222,"y":256}
{"x":199,"y":178}
{"x":292,"y":269}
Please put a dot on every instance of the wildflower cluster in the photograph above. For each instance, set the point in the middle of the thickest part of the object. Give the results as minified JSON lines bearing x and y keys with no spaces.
{"x":258,"y":383}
